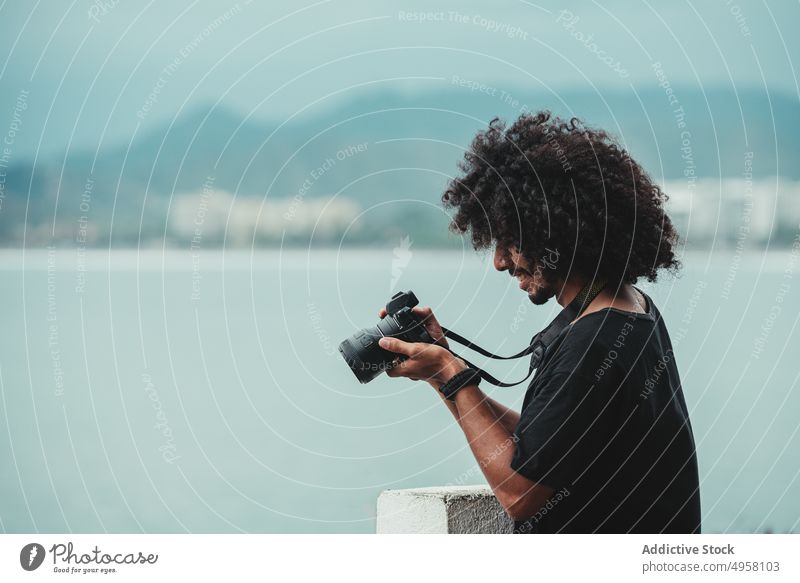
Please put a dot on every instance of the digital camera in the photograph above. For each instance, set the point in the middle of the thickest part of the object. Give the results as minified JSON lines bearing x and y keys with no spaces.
{"x":363,"y":354}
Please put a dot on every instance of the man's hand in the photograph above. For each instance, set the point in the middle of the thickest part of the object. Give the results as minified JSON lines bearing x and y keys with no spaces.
{"x":428,"y":362}
{"x":488,"y":425}
{"x":429,"y":320}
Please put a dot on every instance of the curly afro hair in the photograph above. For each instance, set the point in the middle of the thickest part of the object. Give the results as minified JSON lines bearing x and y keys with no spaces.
{"x":546,"y":184}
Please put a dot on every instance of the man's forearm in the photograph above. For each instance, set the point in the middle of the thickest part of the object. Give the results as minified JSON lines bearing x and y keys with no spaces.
{"x":493,"y":445}
{"x":505,"y":416}
{"x":487,"y":437}
{"x":508,"y":417}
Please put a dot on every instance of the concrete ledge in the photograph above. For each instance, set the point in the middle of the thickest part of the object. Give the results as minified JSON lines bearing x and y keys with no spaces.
{"x":442,"y":510}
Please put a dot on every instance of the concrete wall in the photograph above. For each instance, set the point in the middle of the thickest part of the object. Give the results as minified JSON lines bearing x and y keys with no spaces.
{"x":442,"y":510}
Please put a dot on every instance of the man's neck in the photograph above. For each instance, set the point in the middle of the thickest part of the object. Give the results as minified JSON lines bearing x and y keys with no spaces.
{"x":626,"y":298}
{"x":569,"y":290}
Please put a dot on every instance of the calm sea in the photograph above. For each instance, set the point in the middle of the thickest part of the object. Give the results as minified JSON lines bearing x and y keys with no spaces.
{"x":161,"y":392}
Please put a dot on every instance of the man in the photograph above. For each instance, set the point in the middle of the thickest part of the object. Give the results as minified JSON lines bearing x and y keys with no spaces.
{"x":603,"y":442}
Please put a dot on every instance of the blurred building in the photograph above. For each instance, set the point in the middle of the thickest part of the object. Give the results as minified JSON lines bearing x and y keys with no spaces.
{"x":216,"y":215}
{"x":735,"y":211}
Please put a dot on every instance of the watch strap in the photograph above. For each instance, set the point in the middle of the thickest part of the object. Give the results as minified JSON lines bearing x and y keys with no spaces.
{"x":468,"y":376}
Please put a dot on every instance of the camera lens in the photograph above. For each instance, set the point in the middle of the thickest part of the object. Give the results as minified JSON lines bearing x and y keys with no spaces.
{"x":361,"y":351}
{"x":363,"y":354}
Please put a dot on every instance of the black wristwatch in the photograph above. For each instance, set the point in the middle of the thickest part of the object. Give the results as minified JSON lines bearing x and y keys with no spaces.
{"x":468,"y":376}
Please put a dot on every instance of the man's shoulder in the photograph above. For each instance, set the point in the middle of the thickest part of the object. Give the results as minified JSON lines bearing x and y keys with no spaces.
{"x":598,"y":330}
{"x":578,"y":348}
{"x":609,"y":326}
{"x":599,"y":338}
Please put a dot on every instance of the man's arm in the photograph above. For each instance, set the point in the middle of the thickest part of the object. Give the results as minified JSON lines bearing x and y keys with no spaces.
{"x":488,"y":425}
{"x":507,"y":417}
{"x":493,"y":445}
{"x":489,"y":429}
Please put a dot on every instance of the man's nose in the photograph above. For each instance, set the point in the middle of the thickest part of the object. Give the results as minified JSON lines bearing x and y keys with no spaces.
{"x":501,"y":260}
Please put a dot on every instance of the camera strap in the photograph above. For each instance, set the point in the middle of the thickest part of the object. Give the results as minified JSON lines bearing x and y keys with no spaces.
{"x":540,"y":341}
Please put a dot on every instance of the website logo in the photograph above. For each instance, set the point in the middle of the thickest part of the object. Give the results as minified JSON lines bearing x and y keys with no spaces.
{"x":401,"y":256}
{"x":31,"y":556}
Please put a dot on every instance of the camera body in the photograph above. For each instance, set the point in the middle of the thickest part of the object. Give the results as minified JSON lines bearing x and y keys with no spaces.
{"x":361,"y":350}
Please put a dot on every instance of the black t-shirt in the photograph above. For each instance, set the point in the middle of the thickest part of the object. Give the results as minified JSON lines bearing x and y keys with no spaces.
{"x":604,"y":423}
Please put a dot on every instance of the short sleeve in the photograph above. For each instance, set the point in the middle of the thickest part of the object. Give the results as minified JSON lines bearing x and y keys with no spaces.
{"x":565,"y":425}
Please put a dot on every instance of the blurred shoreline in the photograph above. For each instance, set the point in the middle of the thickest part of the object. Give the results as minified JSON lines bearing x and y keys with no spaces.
{"x":294,"y":258}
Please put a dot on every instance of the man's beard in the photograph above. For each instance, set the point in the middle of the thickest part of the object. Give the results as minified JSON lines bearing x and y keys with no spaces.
{"x":540,"y":295}
{"x":540,"y":292}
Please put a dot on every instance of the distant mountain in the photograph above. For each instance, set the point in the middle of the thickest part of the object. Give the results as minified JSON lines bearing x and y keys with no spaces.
{"x":382,"y":150}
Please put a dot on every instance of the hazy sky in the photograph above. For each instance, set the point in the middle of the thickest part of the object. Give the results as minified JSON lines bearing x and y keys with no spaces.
{"x":94,"y":72}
